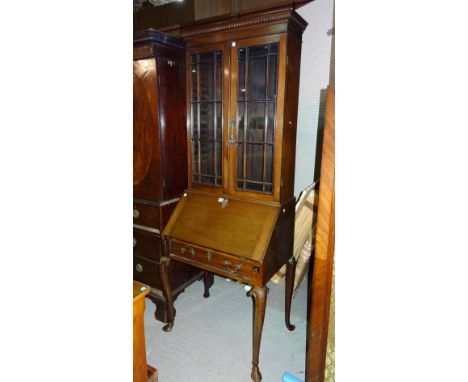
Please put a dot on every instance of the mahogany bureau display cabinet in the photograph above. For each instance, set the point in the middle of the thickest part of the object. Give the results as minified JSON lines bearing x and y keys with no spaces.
{"x":237,"y":217}
{"x":159,"y":158}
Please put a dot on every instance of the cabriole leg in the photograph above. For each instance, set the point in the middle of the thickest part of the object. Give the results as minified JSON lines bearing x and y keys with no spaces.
{"x":259,"y":297}
{"x":164,"y":263}
{"x":208,"y":280}
{"x":290,"y":274}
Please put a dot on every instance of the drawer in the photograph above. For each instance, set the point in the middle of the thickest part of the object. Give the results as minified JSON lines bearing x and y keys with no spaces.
{"x":180,"y":275}
{"x":146,"y":272}
{"x":146,"y":244}
{"x":146,"y":215}
{"x":153,"y":217}
{"x":231,"y":266}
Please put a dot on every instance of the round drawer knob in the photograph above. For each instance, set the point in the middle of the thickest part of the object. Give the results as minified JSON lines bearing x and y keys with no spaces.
{"x":136,"y":213}
{"x":134,"y":242}
{"x":139,"y":268}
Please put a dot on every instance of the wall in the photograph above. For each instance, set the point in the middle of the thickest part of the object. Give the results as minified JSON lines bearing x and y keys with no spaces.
{"x":315,"y":77}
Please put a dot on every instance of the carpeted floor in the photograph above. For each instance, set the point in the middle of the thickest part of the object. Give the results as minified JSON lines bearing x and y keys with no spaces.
{"x":212,"y":338}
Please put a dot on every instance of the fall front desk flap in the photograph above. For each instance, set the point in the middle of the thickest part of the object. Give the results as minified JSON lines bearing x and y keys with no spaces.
{"x":237,"y":227}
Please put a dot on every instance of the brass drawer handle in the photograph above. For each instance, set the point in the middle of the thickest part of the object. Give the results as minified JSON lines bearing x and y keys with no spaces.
{"x":139,"y":268}
{"x":189,"y":249}
{"x":134,"y":242}
{"x":226,"y":262}
{"x":236,"y":269}
{"x":136,"y":213}
{"x":209,"y":255}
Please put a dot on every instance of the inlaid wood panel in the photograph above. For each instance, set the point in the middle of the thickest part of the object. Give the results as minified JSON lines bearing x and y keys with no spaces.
{"x":146,"y":147}
{"x":142,"y":130}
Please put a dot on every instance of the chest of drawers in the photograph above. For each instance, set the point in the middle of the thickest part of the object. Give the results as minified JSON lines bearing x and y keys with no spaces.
{"x":159,"y":158}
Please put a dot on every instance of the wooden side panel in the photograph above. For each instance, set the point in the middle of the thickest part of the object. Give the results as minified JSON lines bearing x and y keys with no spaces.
{"x":281,"y":244}
{"x":324,"y":252}
{"x":172,"y":122}
{"x":166,"y":212}
{"x":288,"y":159}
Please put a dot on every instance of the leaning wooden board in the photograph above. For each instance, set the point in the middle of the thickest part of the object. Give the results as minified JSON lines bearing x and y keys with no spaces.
{"x":324,"y":252}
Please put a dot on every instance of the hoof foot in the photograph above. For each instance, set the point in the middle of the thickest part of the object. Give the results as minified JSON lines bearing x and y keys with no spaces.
{"x":206,"y":294}
{"x":256,"y":375}
{"x":168,"y":327}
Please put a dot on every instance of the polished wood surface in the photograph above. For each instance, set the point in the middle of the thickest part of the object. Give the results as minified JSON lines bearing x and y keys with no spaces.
{"x":146,"y":172}
{"x":141,"y":371}
{"x":153,"y":214}
{"x":238,"y":227}
{"x":159,"y":135}
{"x":290,"y":273}
{"x":223,"y":264}
{"x":159,"y":158}
{"x":280,"y":247}
{"x":163,"y":267}
{"x":259,"y":297}
{"x":143,"y":120}
{"x":146,"y":245}
{"x":291,"y":94}
{"x":324,"y":252}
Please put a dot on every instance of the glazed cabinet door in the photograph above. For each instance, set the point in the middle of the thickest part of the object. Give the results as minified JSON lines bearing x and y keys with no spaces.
{"x":207,"y":96}
{"x":255,"y":129}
